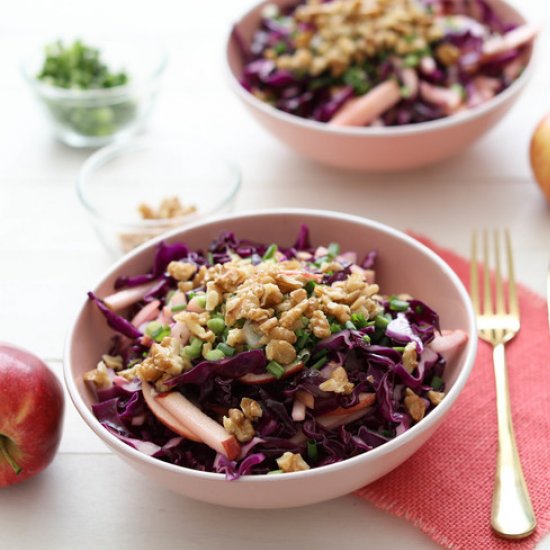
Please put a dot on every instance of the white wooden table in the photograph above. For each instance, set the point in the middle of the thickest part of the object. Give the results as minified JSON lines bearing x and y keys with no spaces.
{"x":49,"y":257}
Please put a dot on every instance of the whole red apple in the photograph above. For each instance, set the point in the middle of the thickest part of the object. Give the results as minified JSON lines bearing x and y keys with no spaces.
{"x":31,"y":415}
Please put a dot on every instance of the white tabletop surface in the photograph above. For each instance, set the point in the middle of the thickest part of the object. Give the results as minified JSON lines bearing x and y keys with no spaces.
{"x":88,"y":498}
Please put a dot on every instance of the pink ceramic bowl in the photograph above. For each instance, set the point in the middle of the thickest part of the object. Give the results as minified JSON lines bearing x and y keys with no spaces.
{"x":373,"y":149}
{"x":404,"y":266}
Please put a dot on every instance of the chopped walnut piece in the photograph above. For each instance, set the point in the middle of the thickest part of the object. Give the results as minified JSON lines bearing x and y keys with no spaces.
{"x":238,"y":425}
{"x":410,"y":361}
{"x":280,"y":351}
{"x":235,"y":337}
{"x":338,"y":382}
{"x":113,"y":362}
{"x":271,"y":296}
{"x":169,"y":208}
{"x":251,"y":409}
{"x":340,"y":311}
{"x":291,"y":462}
{"x":320,"y":325}
{"x":194,"y":322}
{"x":435,"y":397}
{"x":281,"y":333}
{"x":181,"y":271}
{"x":268,"y":325}
{"x":415,"y":405}
{"x":163,"y":358}
{"x":99,"y":376}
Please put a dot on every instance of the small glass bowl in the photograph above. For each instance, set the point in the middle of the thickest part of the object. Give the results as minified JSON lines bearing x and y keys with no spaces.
{"x":94,"y":118}
{"x":116,"y":180}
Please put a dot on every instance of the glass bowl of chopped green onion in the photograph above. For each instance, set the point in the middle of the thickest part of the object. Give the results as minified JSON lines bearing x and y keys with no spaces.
{"x":137,"y":190}
{"x":96,"y":92}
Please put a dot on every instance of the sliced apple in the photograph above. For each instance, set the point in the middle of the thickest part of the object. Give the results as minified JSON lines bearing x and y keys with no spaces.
{"x":163,"y":416}
{"x":334,"y":421}
{"x":267,"y":377}
{"x":298,"y":411}
{"x":449,"y":344}
{"x":208,"y":430}
{"x":497,"y":45}
{"x":365,"y":401}
{"x":124,"y":298}
{"x":307,"y":398}
{"x":147,"y":313}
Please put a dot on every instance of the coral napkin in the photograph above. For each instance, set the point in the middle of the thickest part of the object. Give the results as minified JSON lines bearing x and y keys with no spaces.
{"x":445,"y":489}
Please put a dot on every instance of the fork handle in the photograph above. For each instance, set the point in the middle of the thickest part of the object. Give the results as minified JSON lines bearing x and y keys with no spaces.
{"x":512,"y":514}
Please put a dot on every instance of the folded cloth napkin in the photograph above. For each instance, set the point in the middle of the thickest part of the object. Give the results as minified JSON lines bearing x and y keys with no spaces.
{"x":446,"y":488}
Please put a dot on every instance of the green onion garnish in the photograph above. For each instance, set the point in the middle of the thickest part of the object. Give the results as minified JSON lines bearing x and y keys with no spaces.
{"x":201,"y":301}
{"x":381,"y":322}
{"x":398,"y":305}
{"x":335,"y":327}
{"x":350,"y":326}
{"x":312,"y":452}
{"x":333,"y":250}
{"x":193,"y":350}
{"x":310,"y":287}
{"x":228,"y":351}
{"x":366,"y":338}
{"x":210,"y":258}
{"x":274,"y":472}
{"x":359,"y":320}
{"x":214,"y":355}
{"x":320,"y":363}
{"x":270,"y":252}
{"x":400,"y":349}
{"x":216,"y":325}
{"x":175,"y":309}
{"x":303,"y":356}
{"x":157,"y":331}
{"x":436,"y":383}
{"x":276,"y":369}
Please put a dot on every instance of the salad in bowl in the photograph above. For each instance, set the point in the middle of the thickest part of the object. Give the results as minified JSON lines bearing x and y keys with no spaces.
{"x":381,"y":63}
{"x":252,"y":359}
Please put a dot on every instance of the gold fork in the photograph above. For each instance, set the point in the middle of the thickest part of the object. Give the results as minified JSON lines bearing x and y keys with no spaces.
{"x":512,"y":513}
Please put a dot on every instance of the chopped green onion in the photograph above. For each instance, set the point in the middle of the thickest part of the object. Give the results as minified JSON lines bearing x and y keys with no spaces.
{"x":335,"y":327}
{"x":157,"y":331}
{"x":405,"y":92}
{"x":320,"y":363}
{"x":310,"y":287}
{"x":216,"y":325}
{"x":436,"y":383}
{"x":276,"y":369}
{"x":350,"y":326}
{"x":366,"y":338}
{"x":312,"y":452}
{"x":280,"y":47}
{"x":274,"y":472}
{"x":191,"y":295}
{"x":400,"y":349}
{"x":201,"y":301}
{"x":386,"y":433}
{"x":210,"y":258}
{"x":359,"y":320}
{"x":228,"y":351}
{"x":412,"y":60}
{"x":303,"y":356}
{"x":214,"y":355}
{"x":270,"y":252}
{"x":193,"y":350}
{"x":175,"y":309}
{"x":398,"y":305}
{"x":381,"y":322}
{"x":169,"y":296}
{"x":302,"y":338}
{"x":333,"y":250}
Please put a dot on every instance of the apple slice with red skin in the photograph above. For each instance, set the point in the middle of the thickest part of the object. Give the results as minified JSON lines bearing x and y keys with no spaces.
{"x":365,"y":400}
{"x":449,"y":344}
{"x":31,"y":415}
{"x":207,"y":429}
{"x":267,"y":377}
{"x":163,"y":416}
{"x":337,"y":417}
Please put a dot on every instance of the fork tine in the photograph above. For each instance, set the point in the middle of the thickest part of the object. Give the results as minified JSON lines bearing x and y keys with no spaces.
{"x":474,"y":281}
{"x":487,"y":301}
{"x":513,"y":304}
{"x":499,"y":293}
